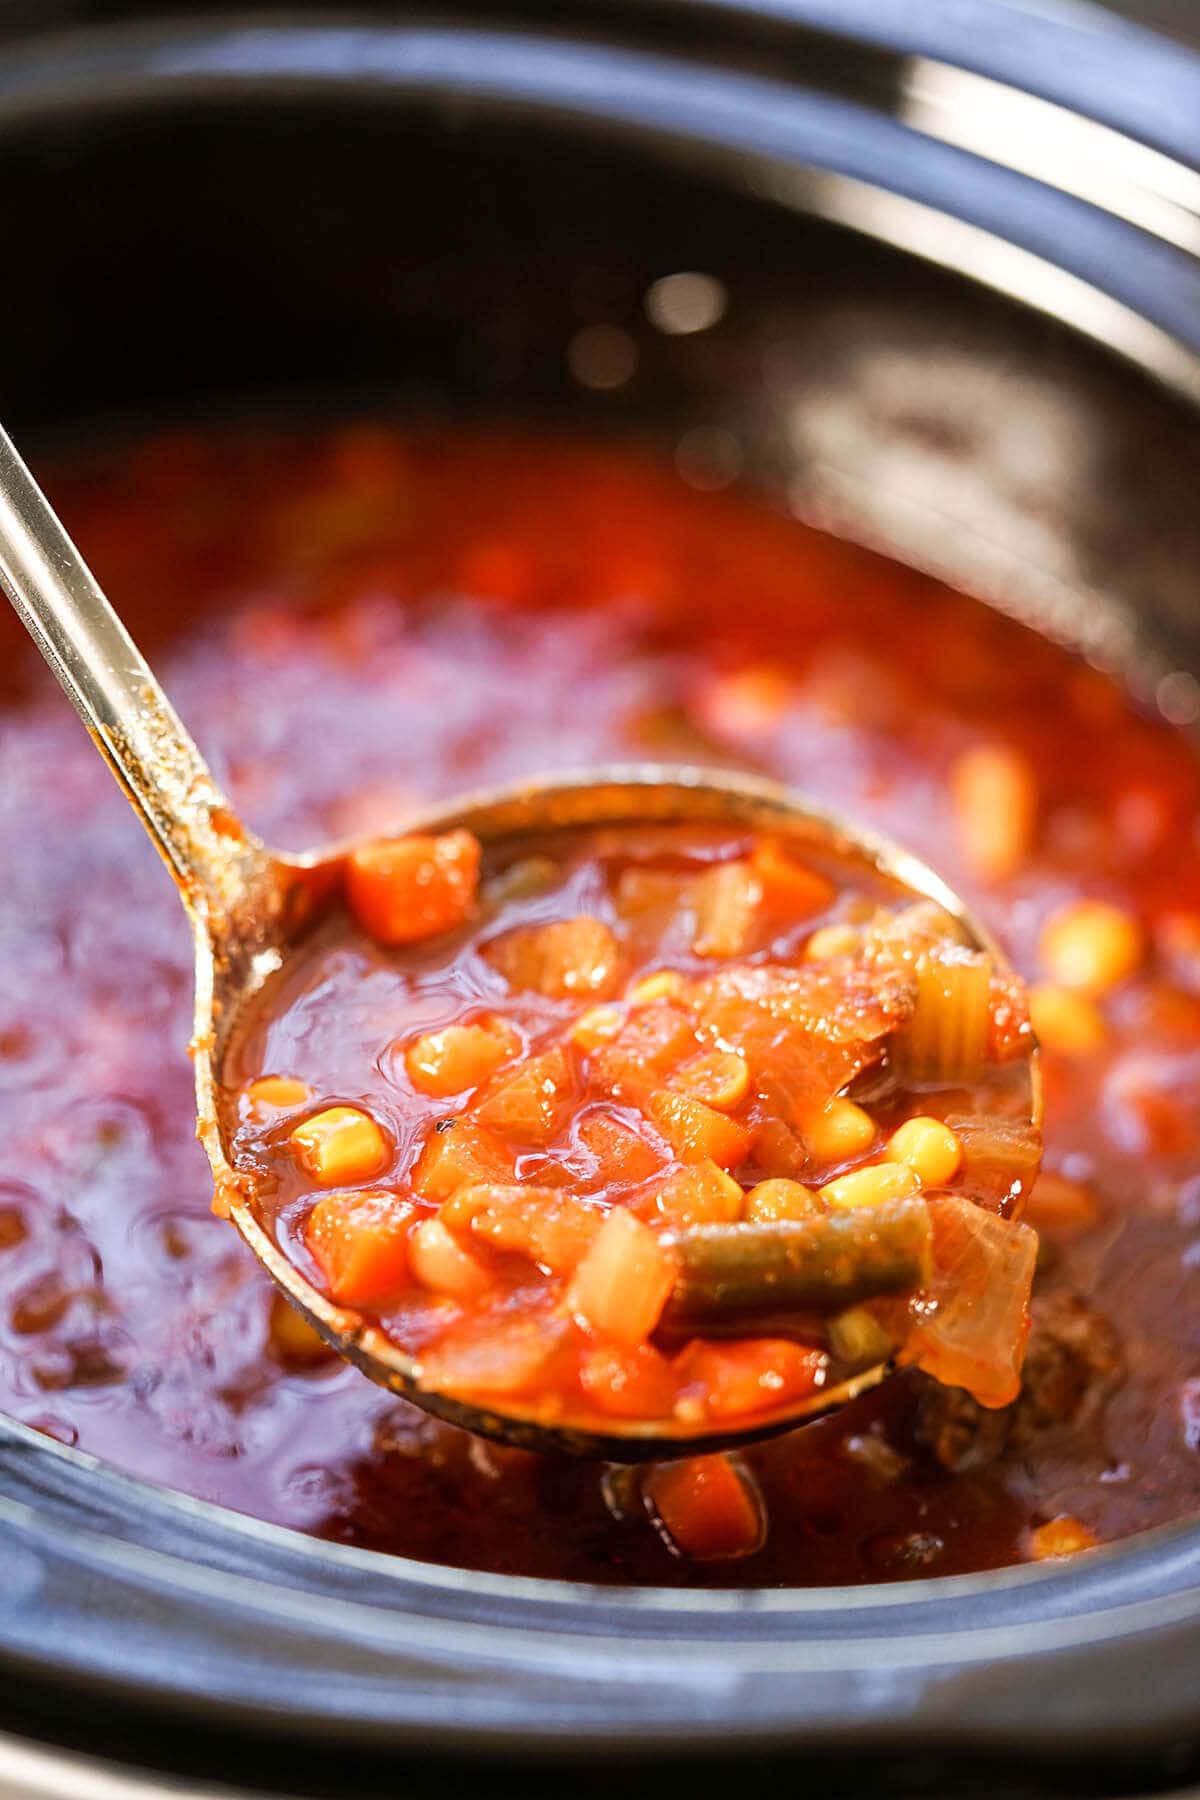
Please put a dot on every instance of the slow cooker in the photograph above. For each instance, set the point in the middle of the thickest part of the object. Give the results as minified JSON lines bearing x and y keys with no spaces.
{"x":214,"y":207}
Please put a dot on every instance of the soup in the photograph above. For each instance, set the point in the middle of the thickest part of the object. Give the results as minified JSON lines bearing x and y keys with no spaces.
{"x":353,"y":621}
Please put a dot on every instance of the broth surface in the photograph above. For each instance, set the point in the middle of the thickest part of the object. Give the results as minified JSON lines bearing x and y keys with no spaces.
{"x":353,"y":621}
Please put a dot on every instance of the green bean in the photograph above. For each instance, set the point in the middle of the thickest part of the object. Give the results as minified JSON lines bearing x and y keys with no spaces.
{"x":738,"y":1277}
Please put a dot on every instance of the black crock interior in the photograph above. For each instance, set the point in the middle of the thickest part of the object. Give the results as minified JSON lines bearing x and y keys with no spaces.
{"x":243,"y":213}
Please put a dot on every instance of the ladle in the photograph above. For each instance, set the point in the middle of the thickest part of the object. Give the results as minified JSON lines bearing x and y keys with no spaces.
{"x":248,"y":906}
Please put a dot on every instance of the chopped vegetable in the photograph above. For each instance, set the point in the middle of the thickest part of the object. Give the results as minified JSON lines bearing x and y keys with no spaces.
{"x":841,"y":1131}
{"x":565,"y":958}
{"x":360,"y":1243}
{"x":1063,"y":1536}
{"x":718,"y":1077}
{"x":1067,"y":1022}
{"x":970,"y":1331}
{"x":701,"y":1194}
{"x":622,"y":1284}
{"x":697,"y":1132}
{"x":876,"y":1185}
{"x":531,"y":1105}
{"x":272,"y":1094}
{"x":946,"y":1042}
{"x":442,"y":1263}
{"x":929,"y":1148}
{"x":1091,"y":946}
{"x":456,"y":1153}
{"x":995,"y":795}
{"x":460,"y":1057}
{"x":779,"y":1198}
{"x":734,"y":1380}
{"x":708,"y":1507}
{"x":340,"y":1146}
{"x":734,"y":1276}
{"x":544,"y":1224}
{"x":403,"y":890}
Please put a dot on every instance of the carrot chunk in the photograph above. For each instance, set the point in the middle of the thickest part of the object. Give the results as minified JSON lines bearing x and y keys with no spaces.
{"x":696,"y":1131}
{"x":565,"y":958}
{"x":508,"y":1356}
{"x":530,"y":1105}
{"x":359,"y":1242}
{"x":621,"y":1154}
{"x":544,"y":1224}
{"x":624,"y":1281}
{"x":636,"y":1383}
{"x":457,"y":1152}
{"x":789,"y":887}
{"x":460,"y":1057}
{"x":728,"y":903}
{"x":701,"y":1194}
{"x":402,"y":890}
{"x":720,"y":1078}
{"x":708,"y":1507}
{"x":340,"y":1146}
{"x":749,"y":1375}
{"x":651,"y":1042}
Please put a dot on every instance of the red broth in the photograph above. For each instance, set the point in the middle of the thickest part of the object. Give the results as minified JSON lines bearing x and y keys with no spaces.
{"x":399,"y":617}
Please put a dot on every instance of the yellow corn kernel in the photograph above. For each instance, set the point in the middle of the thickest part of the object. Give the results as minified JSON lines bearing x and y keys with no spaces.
{"x":994,"y":794}
{"x":779,"y":1199}
{"x":340,"y":1146}
{"x":664,"y":984}
{"x":720,"y":1078}
{"x":1060,"y":1537}
{"x":872,"y":1186}
{"x":1091,"y":946}
{"x":929,"y":1148}
{"x":272,"y":1094}
{"x":842,"y":1130}
{"x":1065,"y":1021}
{"x":857,"y":1337}
{"x":831,"y":940}
{"x":595,"y":1027}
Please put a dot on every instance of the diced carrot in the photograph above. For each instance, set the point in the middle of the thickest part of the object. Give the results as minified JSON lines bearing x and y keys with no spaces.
{"x":359,"y":1242}
{"x":636,"y":1383}
{"x":1063,"y":1536}
{"x":457,"y":1152}
{"x":507,"y":1356}
{"x":708,"y":1507}
{"x":749,"y":1375}
{"x":652,"y":1042}
{"x":695,"y":1131}
{"x":789,"y":887}
{"x":460,"y":1057}
{"x":440,"y":1262}
{"x":402,"y":890}
{"x":701,"y":1194}
{"x":720,"y":1078}
{"x":621,"y":1153}
{"x":273,"y":1094}
{"x":566,"y":958}
{"x":530,"y":1105}
{"x":728,"y":905}
{"x":340,"y":1146}
{"x":544,"y":1224}
{"x":624,"y":1281}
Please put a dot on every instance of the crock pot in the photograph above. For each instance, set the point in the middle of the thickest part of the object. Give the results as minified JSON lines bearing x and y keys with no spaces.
{"x":961,"y":248}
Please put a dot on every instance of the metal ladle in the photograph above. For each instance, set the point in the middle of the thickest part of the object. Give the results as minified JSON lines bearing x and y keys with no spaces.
{"x":249,"y":905}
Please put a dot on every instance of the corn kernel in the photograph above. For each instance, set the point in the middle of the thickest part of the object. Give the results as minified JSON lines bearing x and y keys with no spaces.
{"x":842,"y":1130}
{"x":664,"y":984}
{"x":340,"y":1146}
{"x":274,"y":1093}
{"x":831,"y":940}
{"x":994,"y":793}
{"x":595,"y":1027}
{"x":1091,"y":946}
{"x":1065,"y":1021}
{"x":1060,"y":1537}
{"x":929,"y":1148}
{"x":778,"y":1199}
{"x":857,"y":1337}
{"x":872,"y":1186}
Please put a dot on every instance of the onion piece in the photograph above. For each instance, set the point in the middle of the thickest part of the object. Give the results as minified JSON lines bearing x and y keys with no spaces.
{"x":972,"y":1321}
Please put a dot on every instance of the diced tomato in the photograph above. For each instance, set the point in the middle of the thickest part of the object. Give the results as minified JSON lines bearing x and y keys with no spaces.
{"x":457,"y":1152}
{"x":544,"y":1224}
{"x":566,"y":958}
{"x":652,"y":1041}
{"x":702,"y":1194}
{"x":708,"y":1507}
{"x":636,"y":1383}
{"x":622,"y":1154}
{"x":359,"y":1242}
{"x":695,"y":1131}
{"x":530,"y":1105}
{"x":624,"y":1281}
{"x":402,"y":890}
{"x":459,"y":1057}
{"x":747,"y":1376}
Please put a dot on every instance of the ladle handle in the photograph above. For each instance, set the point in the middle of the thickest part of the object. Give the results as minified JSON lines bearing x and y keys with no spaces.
{"x":111,"y":686}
